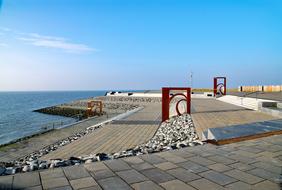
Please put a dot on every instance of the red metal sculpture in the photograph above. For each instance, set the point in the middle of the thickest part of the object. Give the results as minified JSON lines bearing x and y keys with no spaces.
{"x":91,"y":105}
{"x":167,"y":97}
{"x":219,"y":87}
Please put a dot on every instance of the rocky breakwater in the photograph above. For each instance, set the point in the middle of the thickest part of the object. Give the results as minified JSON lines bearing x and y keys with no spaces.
{"x":175,"y":133}
{"x":78,"y":109}
{"x":130,"y":100}
{"x":62,"y":110}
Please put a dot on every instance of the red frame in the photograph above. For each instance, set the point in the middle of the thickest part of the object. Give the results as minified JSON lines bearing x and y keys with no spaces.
{"x":166,"y":99}
{"x":215,"y":84}
{"x":90,"y":106}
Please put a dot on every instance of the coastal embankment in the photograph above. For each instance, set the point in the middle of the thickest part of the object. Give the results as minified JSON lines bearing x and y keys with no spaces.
{"x":79,"y":108}
{"x":28,"y":144}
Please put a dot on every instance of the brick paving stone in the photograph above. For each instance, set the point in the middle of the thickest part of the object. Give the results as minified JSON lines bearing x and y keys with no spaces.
{"x":96,"y":166}
{"x":272,"y":160}
{"x":183,"y":175}
{"x":33,"y":188}
{"x":269,"y":167}
{"x":24,"y":180}
{"x":206,"y":153}
{"x":157,"y":175}
{"x":278,"y":153}
{"x":75,"y":172}
{"x":133,"y":160}
{"x":243,"y":176}
{"x":221,"y":159}
{"x":204,"y":184}
{"x":101,"y":174}
{"x":274,"y":148}
{"x":244,"y":159}
{"x":241,"y":166}
{"x":169,"y":156}
{"x":6,"y":182}
{"x":219,"y":167}
{"x":146,"y":185}
{"x":218,"y":178}
{"x":277,"y":178}
{"x":219,"y":150}
{"x":117,"y":165}
{"x":166,"y":165}
{"x":176,"y":184}
{"x":200,"y":160}
{"x":252,"y":149}
{"x":193,"y":167}
{"x":92,"y":188}
{"x":245,"y":153}
{"x":52,"y":173}
{"x":61,"y":188}
{"x":132,"y":176}
{"x":83,"y":183}
{"x":267,"y":154}
{"x":142,"y":166}
{"x":113,"y":183}
{"x":175,"y":159}
{"x":55,"y":182}
{"x":267,"y":185}
{"x":152,"y":159}
{"x":182,"y":153}
{"x":239,"y":186}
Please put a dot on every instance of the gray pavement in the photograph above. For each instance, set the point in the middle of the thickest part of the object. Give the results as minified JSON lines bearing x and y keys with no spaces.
{"x":254,"y":164}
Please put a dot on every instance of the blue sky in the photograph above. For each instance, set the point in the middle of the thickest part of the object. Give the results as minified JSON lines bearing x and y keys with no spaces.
{"x":138,"y":44}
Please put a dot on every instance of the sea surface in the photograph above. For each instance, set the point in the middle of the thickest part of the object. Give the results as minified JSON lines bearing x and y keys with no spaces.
{"x":17,"y":118}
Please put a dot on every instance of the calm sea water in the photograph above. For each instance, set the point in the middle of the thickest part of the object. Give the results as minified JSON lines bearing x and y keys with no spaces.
{"x":17,"y":118}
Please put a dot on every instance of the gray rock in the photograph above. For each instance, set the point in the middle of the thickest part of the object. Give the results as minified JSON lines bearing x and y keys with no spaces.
{"x":52,"y":165}
{"x":43,"y":165}
{"x":10,"y":171}
{"x":88,"y":161}
{"x":33,"y":167}
{"x":25,"y":168}
{"x":2,"y":170}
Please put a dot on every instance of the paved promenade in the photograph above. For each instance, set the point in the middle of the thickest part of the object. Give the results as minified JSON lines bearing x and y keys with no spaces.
{"x":254,"y":164}
{"x":140,"y":127}
{"x":210,"y":113}
{"x":116,"y":136}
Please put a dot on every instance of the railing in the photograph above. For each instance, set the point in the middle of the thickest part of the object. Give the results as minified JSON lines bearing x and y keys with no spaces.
{"x":255,"y":92}
{"x":59,"y":124}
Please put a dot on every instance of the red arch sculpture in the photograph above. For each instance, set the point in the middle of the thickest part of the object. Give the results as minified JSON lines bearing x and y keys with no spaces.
{"x":217,"y":87}
{"x":166,"y":99}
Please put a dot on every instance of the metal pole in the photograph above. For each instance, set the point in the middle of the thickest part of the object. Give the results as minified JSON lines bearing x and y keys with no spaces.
{"x":191,"y":78}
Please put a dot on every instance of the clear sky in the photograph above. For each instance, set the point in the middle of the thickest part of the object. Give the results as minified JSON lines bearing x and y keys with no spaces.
{"x":138,"y":44}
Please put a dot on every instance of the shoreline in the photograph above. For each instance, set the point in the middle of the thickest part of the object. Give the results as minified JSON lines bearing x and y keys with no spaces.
{"x":51,"y":126}
{"x":113,"y":109}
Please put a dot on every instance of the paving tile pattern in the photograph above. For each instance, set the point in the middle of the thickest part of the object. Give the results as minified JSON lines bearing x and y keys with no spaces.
{"x":196,"y":168}
{"x":114,"y":137}
{"x":209,"y":113}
